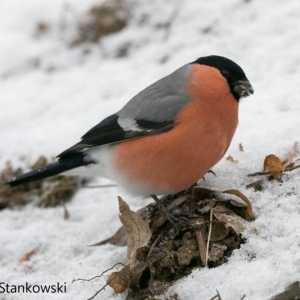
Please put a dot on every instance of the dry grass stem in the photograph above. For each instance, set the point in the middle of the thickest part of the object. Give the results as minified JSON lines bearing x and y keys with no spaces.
{"x":209,"y":235}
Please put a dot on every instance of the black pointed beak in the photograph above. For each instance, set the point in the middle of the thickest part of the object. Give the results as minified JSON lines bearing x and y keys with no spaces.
{"x":243,"y":88}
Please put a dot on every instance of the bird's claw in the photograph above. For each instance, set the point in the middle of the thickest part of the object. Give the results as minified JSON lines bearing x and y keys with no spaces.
{"x":176,"y":222}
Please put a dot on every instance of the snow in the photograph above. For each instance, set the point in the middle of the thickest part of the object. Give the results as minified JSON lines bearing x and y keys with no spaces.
{"x":52,"y":94}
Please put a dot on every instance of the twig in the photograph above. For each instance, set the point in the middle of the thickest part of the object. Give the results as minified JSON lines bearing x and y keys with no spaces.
{"x":243,"y":297}
{"x":209,"y":234}
{"x":292,"y":168}
{"x":66,"y":213}
{"x":98,"y":276}
{"x":99,"y":291}
{"x":259,"y":173}
{"x":217,"y":297}
{"x":54,"y":190}
{"x":268,"y":173}
{"x":286,"y":165}
{"x":155,"y":242}
{"x":107,"y":283}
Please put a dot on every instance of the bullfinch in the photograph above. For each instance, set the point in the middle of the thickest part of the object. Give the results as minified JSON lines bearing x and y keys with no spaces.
{"x":165,"y":138}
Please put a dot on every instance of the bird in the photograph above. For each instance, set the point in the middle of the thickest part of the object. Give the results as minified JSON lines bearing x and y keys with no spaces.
{"x":165,"y":138}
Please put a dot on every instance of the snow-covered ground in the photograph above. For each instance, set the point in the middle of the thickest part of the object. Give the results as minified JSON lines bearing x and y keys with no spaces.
{"x":51,"y":95}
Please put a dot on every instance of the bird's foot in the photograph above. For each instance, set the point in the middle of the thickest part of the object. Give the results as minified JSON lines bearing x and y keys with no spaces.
{"x":176,"y":222}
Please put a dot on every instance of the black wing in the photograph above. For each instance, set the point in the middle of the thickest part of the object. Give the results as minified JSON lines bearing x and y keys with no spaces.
{"x":113,"y":129}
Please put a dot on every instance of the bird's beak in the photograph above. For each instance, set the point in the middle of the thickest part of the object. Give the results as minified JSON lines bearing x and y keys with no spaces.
{"x":244,"y":88}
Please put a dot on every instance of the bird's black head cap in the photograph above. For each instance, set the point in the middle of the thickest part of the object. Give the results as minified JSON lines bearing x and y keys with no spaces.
{"x":233,"y":73}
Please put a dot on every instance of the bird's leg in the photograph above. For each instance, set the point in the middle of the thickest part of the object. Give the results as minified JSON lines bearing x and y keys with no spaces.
{"x":172,"y":219}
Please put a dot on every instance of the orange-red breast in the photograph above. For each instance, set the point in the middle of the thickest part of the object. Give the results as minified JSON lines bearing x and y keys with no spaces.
{"x":165,"y":138}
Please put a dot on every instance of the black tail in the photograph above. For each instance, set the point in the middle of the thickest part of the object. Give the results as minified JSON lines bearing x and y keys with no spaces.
{"x":63,"y":164}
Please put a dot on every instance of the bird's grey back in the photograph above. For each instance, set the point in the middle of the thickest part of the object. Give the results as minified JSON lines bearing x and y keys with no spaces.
{"x":162,"y":100}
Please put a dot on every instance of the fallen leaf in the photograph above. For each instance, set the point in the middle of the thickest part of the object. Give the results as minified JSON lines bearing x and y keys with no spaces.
{"x":119,"y":281}
{"x":27,"y":256}
{"x":138,"y":231}
{"x":238,"y":203}
{"x":118,"y":239}
{"x":154,"y":264}
{"x":241,"y":148}
{"x":273,"y":164}
{"x":177,"y":202}
{"x":229,"y":217}
{"x":201,"y":193}
{"x":256,"y":185}
{"x":245,"y":199}
{"x":231,"y":197}
{"x":201,"y":236}
{"x":231,"y":159}
{"x":218,"y":231}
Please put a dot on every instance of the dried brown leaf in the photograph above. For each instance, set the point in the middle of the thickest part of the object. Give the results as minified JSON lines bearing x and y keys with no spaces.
{"x":177,"y":202}
{"x":201,"y":236}
{"x":157,"y":223}
{"x":119,"y":281}
{"x":256,"y":185}
{"x":273,"y":164}
{"x":229,"y":217}
{"x":245,"y":199}
{"x":138,"y":231}
{"x":231,"y":197}
{"x":218,"y":231}
{"x":118,"y":239}
{"x":201,"y":193}
{"x":238,"y":204}
{"x":231,"y":159}
{"x":27,"y":256}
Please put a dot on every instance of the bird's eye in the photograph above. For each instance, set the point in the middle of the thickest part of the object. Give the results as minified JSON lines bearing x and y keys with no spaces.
{"x":226,"y":73}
